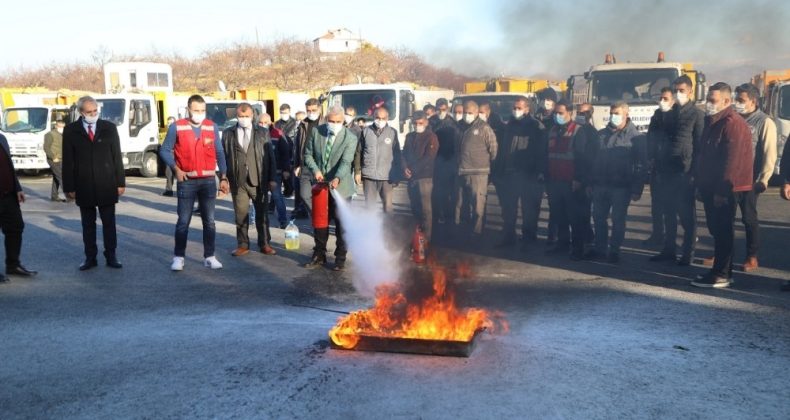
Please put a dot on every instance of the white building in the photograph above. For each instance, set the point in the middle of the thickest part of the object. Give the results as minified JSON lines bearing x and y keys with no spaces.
{"x":140,"y":76}
{"x":338,"y":41}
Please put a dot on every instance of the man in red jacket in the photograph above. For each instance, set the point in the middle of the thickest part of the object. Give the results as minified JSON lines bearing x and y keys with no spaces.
{"x":723,"y":174}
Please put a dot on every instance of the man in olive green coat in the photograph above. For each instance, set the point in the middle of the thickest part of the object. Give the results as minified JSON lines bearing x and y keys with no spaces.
{"x":329,"y":155}
{"x":53,"y":147}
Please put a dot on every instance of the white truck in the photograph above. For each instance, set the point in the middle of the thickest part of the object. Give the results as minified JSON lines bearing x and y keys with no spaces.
{"x":638,"y":84}
{"x":25,"y":127}
{"x":776,"y":103}
{"x":400,"y":99}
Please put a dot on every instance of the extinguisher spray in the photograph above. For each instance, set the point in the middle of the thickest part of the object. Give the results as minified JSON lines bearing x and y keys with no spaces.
{"x":418,"y":246}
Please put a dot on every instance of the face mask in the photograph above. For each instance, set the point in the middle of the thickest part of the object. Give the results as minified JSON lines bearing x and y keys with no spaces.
{"x":616,"y":120}
{"x":581,"y":119}
{"x":665,"y":106}
{"x":548,"y":105}
{"x":483,"y":117}
{"x":381,"y":123}
{"x":313,"y":116}
{"x":518,"y":114}
{"x":91,"y":120}
{"x":459,"y":117}
{"x":470,"y":118}
{"x":681,"y":98}
{"x":419,"y":128}
{"x":335,"y":127}
{"x":348,"y":119}
{"x":245,"y":122}
{"x":59,"y":129}
{"x":442,"y":115}
{"x":285,"y":117}
{"x":198,"y":118}
{"x":711,"y":109}
{"x":740,"y":108}
{"x":559,"y":119}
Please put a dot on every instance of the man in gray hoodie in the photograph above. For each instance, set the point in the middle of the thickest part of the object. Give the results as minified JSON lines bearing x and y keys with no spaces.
{"x":477,"y":148}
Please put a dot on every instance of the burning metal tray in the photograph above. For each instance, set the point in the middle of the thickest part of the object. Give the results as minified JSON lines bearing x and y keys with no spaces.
{"x":413,"y":345}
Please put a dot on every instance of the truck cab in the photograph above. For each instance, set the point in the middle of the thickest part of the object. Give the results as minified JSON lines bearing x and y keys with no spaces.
{"x":25,"y":127}
{"x":397,"y":98}
{"x":777,"y":105}
{"x":223,"y":112}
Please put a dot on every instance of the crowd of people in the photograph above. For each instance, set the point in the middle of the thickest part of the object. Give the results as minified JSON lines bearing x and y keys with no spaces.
{"x":722,"y":157}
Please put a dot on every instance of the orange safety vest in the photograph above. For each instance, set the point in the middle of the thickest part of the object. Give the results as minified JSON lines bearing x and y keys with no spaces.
{"x":195,"y":156}
{"x":561,"y":167}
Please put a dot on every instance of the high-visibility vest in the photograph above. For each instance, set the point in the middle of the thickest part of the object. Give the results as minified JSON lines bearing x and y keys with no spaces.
{"x":195,"y":156}
{"x":561,"y":156}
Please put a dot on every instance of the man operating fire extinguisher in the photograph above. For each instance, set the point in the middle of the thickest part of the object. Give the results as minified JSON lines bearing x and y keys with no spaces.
{"x":329,"y":155}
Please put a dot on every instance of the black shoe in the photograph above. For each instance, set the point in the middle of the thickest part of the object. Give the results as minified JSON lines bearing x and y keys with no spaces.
{"x":315,"y":262}
{"x":4,"y":279}
{"x":613,"y":258}
{"x":113,"y":262}
{"x":593,"y":255}
{"x":785,"y":286}
{"x":684,"y":261}
{"x":663,"y":256}
{"x":20,"y":270}
{"x":711,"y":281}
{"x":283,"y":225}
{"x":88,"y":264}
{"x":340,"y":265}
{"x":58,"y":199}
{"x":168,"y":193}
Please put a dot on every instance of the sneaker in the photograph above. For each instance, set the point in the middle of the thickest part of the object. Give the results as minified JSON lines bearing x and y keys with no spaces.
{"x":178,"y":264}
{"x":212,"y":263}
{"x":711,"y":281}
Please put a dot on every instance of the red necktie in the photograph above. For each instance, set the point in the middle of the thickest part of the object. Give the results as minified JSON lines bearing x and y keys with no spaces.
{"x":90,"y":131}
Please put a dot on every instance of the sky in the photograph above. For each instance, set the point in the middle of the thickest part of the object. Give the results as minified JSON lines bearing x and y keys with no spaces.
{"x":727,"y":39}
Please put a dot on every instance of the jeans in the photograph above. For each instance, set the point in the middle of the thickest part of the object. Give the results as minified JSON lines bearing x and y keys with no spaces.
{"x":279,"y":200}
{"x":608,"y":199}
{"x":721,"y":226}
{"x":204,"y":190}
{"x":420,"y":192}
{"x":374,"y":189}
{"x":676,"y":195}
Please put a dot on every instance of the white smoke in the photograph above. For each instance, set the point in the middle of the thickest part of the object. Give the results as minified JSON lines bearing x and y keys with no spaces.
{"x":375,"y":262}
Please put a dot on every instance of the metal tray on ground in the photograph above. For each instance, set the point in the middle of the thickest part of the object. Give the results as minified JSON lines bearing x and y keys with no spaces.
{"x":372,"y":343}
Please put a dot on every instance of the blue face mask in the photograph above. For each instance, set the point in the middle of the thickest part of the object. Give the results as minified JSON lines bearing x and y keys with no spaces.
{"x":616,"y":120}
{"x":559,"y":119}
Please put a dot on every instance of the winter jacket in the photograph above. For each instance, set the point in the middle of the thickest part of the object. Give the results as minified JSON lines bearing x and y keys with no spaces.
{"x":523,"y":147}
{"x":281,"y":148}
{"x":725,"y":161}
{"x":446,"y":131}
{"x":419,"y":154}
{"x":685,"y":131}
{"x":380,"y":153}
{"x":477,"y":148}
{"x":620,"y":160}
{"x":764,"y":135}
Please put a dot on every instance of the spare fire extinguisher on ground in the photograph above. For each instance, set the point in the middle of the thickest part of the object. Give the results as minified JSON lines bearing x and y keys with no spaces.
{"x":321,"y":205}
{"x":418,"y":246}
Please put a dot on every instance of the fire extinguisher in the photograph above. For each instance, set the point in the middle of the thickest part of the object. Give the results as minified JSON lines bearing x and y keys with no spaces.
{"x":321,"y":205}
{"x":418,"y":246}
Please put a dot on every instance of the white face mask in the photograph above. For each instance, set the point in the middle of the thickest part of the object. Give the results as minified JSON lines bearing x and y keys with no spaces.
{"x":665,"y":106}
{"x":198,"y":118}
{"x":349,"y":118}
{"x":419,"y":128}
{"x":245,"y":122}
{"x":59,"y":129}
{"x":483,"y":117}
{"x":335,"y":127}
{"x":739,"y":108}
{"x":681,"y":98}
{"x":442,"y":115}
{"x":459,"y":117}
{"x":548,"y":105}
{"x":616,"y":120}
{"x":381,"y":123}
{"x":313,"y":116}
{"x":518,"y":114}
{"x":470,"y":118}
{"x":91,"y":120}
{"x":285,"y":117}
{"x":711,"y":109}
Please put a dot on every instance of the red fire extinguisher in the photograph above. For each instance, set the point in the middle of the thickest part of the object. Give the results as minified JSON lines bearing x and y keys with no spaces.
{"x":321,"y":205}
{"x":418,"y":246}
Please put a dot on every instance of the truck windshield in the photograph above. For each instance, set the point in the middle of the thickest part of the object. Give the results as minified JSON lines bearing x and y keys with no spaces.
{"x":784,"y":103}
{"x":112,"y":110}
{"x":25,"y":120}
{"x":223,"y":115}
{"x":639,"y":86}
{"x":365,"y":102}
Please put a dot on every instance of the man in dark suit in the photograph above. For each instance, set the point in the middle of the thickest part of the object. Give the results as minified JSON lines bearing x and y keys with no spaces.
{"x":251,"y":174}
{"x":329,"y":156}
{"x":11,"y":195}
{"x":93,"y":175}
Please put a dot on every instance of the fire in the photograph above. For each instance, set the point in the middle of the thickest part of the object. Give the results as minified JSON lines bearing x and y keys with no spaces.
{"x":435,"y":318}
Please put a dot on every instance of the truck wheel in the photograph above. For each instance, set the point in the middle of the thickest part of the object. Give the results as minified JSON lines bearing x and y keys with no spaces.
{"x":150,"y":165}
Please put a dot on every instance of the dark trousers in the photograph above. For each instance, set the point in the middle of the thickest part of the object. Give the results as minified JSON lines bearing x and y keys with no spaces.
{"x":420,"y":193}
{"x":610,"y":200}
{"x":721,"y":222}
{"x":656,"y":211}
{"x":566,"y":208}
{"x":204,"y":190}
{"x":747,"y":202}
{"x":12,"y":224}
{"x":519,"y":189}
{"x":279,"y":200}
{"x":676,"y":195}
{"x":241,"y":209}
{"x":444,"y":188}
{"x":321,"y":235}
{"x":57,"y":179}
{"x":107,"y":215}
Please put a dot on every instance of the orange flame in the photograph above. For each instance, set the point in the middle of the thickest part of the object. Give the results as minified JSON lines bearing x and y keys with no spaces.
{"x":435,"y":318}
